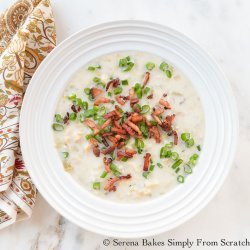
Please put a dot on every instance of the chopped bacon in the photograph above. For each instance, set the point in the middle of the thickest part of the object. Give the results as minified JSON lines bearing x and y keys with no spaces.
{"x":104,"y":141}
{"x":114,"y":83}
{"x":92,"y":125}
{"x":109,"y":149}
{"x":119,"y":130}
{"x":148,"y":123}
{"x":167,"y":123}
{"x":107,"y":163}
{"x":118,"y":111}
{"x":136,"y":118}
{"x":130,"y":152}
{"x":165,"y":103}
{"x":106,"y":123}
{"x":105,"y":134}
{"x":121,"y":144}
{"x":175,"y":137}
{"x":111,"y":182}
{"x":119,"y":137}
{"x":73,"y":107}
{"x":112,"y":139}
{"x":120,"y":100}
{"x":93,"y":141}
{"x":117,"y":124}
{"x":128,"y":129}
{"x":133,"y":101}
{"x":101,"y":100}
{"x":146,"y":161}
{"x":133,"y":126}
{"x":66,"y":118}
{"x":158,"y":110}
{"x":96,"y":151}
{"x":150,"y":96}
{"x":109,"y":114}
{"x":165,"y":95}
{"x":95,"y":92}
{"x":146,"y":79}
{"x":154,"y":132}
{"x":131,"y":94}
{"x":157,"y":119}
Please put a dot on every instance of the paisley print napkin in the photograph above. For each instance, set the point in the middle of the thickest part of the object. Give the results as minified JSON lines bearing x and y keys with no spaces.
{"x":27,"y":35}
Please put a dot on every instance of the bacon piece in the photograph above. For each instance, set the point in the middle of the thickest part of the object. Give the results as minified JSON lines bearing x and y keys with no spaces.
{"x":167,"y":124}
{"x":106,"y":123}
{"x":133,"y":101}
{"x":165,"y":103}
{"x":121,"y":144}
{"x":105,"y":134}
{"x":119,"y":137}
{"x":66,"y":118}
{"x":117,"y":124}
{"x":175,"y":137}
{"x":114,"y":83}
{"x":150,"y":96}
{"x":120,"y":100}
{"x":96,"y":151}
{"x":148,"y":123}
{"x":95,"y":92}
{"x":130,"y":152}
{"x":73,"y":107}
{"x":109,"y":114}
{"x":93,"y":142}
{"x":131,"y":94}
{"x":157,"y":119}
{"x":146,"y":79}
{"x":133,"y":126}
{"x":107,"y":163}
{"x":128,"y":129}
{"x":112,"y":139}
{"x":109,"y":149}
{"x":154,"y":132}
{"x":146,"y":161}
{"x":111,"y":182}
{"x":119,"y":130}
{"x":158,"y":110}
{"x":104,"y":141}
{"x":136,"y":118}
{"x":101,"y":100}
{"x":92,"y":125}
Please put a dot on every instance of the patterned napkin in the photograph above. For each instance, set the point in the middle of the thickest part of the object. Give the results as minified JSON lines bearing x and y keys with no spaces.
{"x":27,"y":35}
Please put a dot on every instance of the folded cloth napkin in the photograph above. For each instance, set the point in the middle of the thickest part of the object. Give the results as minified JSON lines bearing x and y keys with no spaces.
{"x":27,"y":35}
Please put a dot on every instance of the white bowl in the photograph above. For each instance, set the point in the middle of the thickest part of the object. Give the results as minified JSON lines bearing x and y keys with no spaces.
{"x":106,"y":217}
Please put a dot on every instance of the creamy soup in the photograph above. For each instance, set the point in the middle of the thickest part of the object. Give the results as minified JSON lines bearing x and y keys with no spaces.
{"x":129,"y":127}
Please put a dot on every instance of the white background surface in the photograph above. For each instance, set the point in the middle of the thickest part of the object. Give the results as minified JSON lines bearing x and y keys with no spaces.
{"x":222,"y":27}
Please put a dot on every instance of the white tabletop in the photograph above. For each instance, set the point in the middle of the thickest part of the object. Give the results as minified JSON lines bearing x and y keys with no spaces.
{"x":222,"y":27}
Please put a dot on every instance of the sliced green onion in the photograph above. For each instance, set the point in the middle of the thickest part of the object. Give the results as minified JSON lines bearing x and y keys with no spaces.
{"x":96,"y":185}
{"x":185,"y":136}
{"x":114,"y":169}
{"x":145,"y":174}
{"x":177,"y":163}
{"x":98,"y":138}
{"x":177,"y":170}
{"x":145,"y":109}
{"x":104,"y":174}
{"x":85,"y":105}
{"x":138,"y":90}
{"x":118,"y":90}
{"x":193,"y":159}
{"x":65,"y":154}
{"x":139,"y":144}
{"x":72,"y":116}
{"x":91,"y":68}
{"x":101,"y":120}
{"x":159,"y":165}
{"x":126,"y":64}
{"x":144,"y":129}
{"x":81,"y":117}
{"x":188,"y":169}
{"x":165,"y":153}
{"x":87,"y":91}
{"x":58,"y":118}
{"x":102,"y":110}
{"x":146,"y":90}
{"x":175,"y":156}
{"x":72,"y":97}
{"x":154,"y":123}
{"x":180,"y":179}
{"x":109,"y":94}
{"x":169,"y":145}
{"x":164,"y":66}
{"x":89,"y":136}
{"x":151,"y":168}
{"x":124,"y":159}
{"x":124,"y":82}
{"x":96,"y":80}
{"x":167,"y":69}
{"x":199,"y":147}
{"x":168,"y":73}
{"x":190,"y":143}
{"x":150,"y":65}
{"x":57,"y":127}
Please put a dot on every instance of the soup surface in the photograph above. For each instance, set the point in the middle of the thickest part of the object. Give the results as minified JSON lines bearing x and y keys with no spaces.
{"x":129,"y":127}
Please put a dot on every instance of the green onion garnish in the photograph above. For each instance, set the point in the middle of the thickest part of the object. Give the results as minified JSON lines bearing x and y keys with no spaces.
{"x":199,"y":147}
{"x":185,"y":136}
{"x":85,"y":105}
{"x":87,"y":91}
{"x":177,"y":163}
{"x":151,"y":168}
{"x":96,"y":185}
{"x":144,"y":129}
{"x":190,"y":143}
{"x":102,"y":110}
{"x":124,"y":82}
{"x":124,"y":159}
{"x":145,"y":109}
{"x":187,"y":169}
{"x":65,"y":154}
{"x":89,"y":136}
{"x":72,"y":97}
{"x":93,"y":68}
{"x":146,"y":90}
{"x":118,"y":90}
{"x":150,"y":65}
{"x":180,"y":179}
{"x":138,"y":90}
{"x":175,"y":156}
{"x":193,"y":159}
{"x":72,"y":116}
{"x":139,"y":144}
{"x":104,"y":174}
{"x":58,"y":118}
{"x":126,"y":64}
{"x":165,"y":152}
{"x":109,"y":94}
{"x":167,"y":69}
{"x":145,"y":174}
{"x":177,"y":170}
{"x":154,"y":123}
{"x":114,"y":169}
{"x":159,"y":165}
{"x":57,"y":127}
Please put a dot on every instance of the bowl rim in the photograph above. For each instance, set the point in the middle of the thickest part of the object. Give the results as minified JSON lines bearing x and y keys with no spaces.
{"x":127,"y":23}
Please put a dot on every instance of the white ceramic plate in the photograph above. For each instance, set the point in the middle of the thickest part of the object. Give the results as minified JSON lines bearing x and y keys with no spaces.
{"x":106,"y":217}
